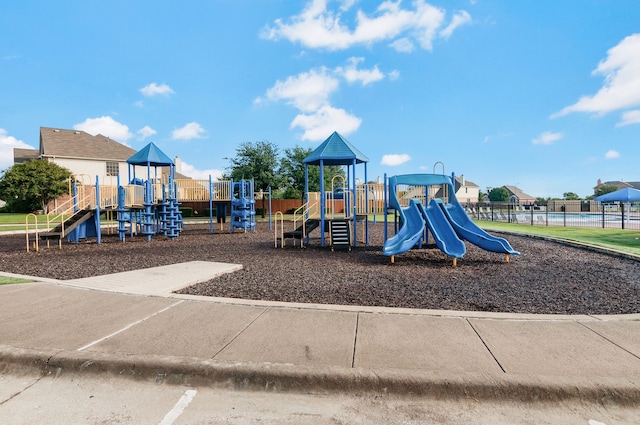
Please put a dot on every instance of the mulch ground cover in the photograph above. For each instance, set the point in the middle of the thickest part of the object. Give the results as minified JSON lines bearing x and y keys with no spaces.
{"x":548,"y":277}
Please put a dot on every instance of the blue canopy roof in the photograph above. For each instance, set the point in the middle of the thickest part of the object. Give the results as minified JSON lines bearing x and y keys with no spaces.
{"x":150,"y":155}
{"x":335,"y":150}
{"x":623,"y":195}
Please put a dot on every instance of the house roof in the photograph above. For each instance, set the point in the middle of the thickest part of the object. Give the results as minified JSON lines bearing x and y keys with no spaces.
{"x":76,"y":144}
{"x":24,"y":155}
{"x":621,"y":185}
{"x":335,"y":150}
{"x":514,"y":191}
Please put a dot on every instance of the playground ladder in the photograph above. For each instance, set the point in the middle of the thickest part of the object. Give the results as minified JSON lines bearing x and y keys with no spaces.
{"x":340,"y":233}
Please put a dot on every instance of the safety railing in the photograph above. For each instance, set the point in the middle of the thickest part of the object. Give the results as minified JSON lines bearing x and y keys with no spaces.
{"x":603,"y":216}
{"x":278,"y":229}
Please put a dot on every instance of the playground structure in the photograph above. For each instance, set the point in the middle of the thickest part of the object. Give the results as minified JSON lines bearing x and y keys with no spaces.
{"x":426,"y":203}
{"x":338,"y":213}
{"x":144,"y":207}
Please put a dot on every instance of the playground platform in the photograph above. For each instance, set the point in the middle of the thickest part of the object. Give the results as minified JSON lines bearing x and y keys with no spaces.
{"x":130,"y":326}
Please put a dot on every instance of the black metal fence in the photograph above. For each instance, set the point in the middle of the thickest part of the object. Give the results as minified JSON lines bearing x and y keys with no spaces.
{"x":614,"y":216}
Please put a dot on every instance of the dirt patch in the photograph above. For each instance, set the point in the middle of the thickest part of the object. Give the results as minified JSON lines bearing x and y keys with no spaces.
{"x":547,"y":278}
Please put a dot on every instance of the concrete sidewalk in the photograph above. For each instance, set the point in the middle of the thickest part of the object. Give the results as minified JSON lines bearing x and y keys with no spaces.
{"x":130,"y":324}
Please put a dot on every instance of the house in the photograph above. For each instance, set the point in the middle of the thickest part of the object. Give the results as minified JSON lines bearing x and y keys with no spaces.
{"x":617,"y":184}
{"x":467,"y":191}
{"x":84,"y":154}
{"x":517,"y":196}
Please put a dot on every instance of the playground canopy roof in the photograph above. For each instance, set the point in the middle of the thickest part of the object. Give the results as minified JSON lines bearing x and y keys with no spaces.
{"x":150,"y":155}
{"x":623,"y":195}
{"x":335,"y":150}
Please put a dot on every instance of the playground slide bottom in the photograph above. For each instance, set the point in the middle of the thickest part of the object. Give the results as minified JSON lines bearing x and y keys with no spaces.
{"x":409,"y":234}
{"x":469,"y":231}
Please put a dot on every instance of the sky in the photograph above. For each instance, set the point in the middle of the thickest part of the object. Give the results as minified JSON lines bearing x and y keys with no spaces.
{"x":543,"y":94}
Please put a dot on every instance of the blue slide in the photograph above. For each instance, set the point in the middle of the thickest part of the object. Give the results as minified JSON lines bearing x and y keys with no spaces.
{"x":409,"y":234}
{"x":444,"y":235}
{"x":469,"y":231}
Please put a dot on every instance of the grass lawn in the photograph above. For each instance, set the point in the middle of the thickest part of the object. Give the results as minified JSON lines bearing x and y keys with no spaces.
{"x":4,"y":280}
{"x":618,"y":239}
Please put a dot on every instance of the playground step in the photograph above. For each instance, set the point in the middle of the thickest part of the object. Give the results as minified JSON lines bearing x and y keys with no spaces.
{"x":340,"y":234}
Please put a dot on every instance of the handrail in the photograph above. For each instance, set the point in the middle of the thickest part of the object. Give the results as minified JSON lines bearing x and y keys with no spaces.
{"x":278,"y":216}
{"x":305,"y":210}
{"x":69,"y":210}
{"x":26,"y":228}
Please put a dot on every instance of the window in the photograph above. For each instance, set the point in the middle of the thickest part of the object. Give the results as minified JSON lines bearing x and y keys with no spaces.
{"x":113,"y":168}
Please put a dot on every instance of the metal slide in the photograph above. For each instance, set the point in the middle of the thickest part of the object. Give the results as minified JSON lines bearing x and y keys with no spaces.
{"x":469,"y":231}
{"x":443,"y":233}
{"x":410,"y":233}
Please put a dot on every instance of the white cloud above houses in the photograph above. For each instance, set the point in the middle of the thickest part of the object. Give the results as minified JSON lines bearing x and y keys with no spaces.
{"x":154,"y":89}
{"x":191,"y":171}
{"x":307,"y":91}
{"x":145,"y":132}
{"x":106,"y":126}
{"x":7,"y":144}
{"x":547,"y":138}
{"x":320,"y":27}
{"x":325,"y":120}
{"x":310,"y":92}
{"x":189,"y":131}
{"x":394,"y":159}
{"x":621,"y":88}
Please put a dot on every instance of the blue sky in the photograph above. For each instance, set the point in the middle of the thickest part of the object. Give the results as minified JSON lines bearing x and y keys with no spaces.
{"x":542,"y":94}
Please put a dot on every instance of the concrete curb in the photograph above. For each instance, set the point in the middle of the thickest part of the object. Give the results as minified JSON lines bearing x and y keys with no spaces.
{"x":172,"y":370}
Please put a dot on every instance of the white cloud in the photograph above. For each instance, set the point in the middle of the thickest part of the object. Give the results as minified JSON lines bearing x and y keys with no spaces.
{"x":458,"y":19}
{"x":145,"y":132}
{"x":621,"y":88}
{"x":352,"y":74}
{"x":7,"y":144}
{"x":403,"y":45}
{"x":319,"y":27}
{"x":191,"y":171}
{"x":310,"y":93}
{"x":307,"y":91}
{"x":547,"y":138}
{"x":106,"y":126}
{"x":394,"y":159}
{"x":192,"y":130}
{"x":155,"y":89}
{"x":629,"y":118}
{"x":611,"y":154}
{"x":324,"y":121}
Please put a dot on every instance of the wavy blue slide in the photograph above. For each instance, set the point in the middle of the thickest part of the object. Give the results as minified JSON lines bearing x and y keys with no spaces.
{"x":409,"y":234}
{"x":469,"y":231}
{"x":443,"y":233}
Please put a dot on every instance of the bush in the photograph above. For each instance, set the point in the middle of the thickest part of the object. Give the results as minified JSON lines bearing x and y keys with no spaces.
{"x":186,"y":211}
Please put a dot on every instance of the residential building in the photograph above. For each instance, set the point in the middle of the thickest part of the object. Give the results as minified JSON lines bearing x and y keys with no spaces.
{"x":85,"y":155}
{"x":517,"y":196}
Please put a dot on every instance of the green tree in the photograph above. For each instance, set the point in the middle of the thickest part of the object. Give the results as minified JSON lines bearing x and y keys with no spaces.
{"x":257,"y":161}
{"x":292,"y":171}
{"x":604,"y":188}
{"x":30,"y":186}
{"x":499,"y":194}
{"x":570,"y":196}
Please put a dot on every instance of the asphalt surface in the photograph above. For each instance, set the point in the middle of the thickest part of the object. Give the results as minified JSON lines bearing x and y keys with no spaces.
{"x":130,"y":325}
